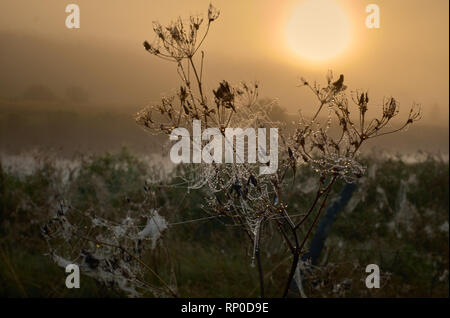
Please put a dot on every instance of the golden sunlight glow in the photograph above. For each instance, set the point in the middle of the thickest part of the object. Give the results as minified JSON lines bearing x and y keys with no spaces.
{"x":318,"y":30}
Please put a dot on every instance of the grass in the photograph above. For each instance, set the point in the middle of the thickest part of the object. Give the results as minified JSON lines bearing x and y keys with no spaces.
{"x":397,"y":218}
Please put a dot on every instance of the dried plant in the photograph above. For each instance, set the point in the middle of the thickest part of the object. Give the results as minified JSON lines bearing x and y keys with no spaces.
{"x":110,"y":251}
{"x":236,"y":190}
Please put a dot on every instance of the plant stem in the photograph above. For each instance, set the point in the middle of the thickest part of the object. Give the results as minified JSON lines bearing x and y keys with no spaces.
{"x":199,"y":82}
{"x":298,"y":249}
{"x":292,"y":271}
{"x":260,"y":270}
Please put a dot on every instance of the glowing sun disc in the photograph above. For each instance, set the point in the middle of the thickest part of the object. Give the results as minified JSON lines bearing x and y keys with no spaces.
{"x":318,"y":30}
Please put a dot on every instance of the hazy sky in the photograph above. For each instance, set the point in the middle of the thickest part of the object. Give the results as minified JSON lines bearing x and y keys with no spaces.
{"x":407,"y":57}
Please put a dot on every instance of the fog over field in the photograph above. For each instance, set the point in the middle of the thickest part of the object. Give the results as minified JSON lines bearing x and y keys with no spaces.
{"x":79,"y":90}
{"x":345,"y":104}
{"x":82,"y":97}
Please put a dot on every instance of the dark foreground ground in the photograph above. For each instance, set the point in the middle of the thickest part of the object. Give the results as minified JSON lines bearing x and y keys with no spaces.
{"x":397,"y":218}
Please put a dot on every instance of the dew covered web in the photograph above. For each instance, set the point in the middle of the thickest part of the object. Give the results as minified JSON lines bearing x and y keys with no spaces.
{"x":235,"y":191}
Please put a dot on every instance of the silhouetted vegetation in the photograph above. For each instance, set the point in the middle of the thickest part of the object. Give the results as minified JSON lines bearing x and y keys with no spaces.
{"x":397,"y":218}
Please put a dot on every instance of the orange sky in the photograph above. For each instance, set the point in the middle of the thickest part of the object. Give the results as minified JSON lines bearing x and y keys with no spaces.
{"x":407,"y":57}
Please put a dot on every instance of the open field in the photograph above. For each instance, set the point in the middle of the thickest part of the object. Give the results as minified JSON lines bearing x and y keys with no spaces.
{"x":397,"y":218}
{"x":94,"y":128}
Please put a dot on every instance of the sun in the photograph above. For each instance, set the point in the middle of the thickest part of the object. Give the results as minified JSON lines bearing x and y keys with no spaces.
{"x":318,"y":30}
